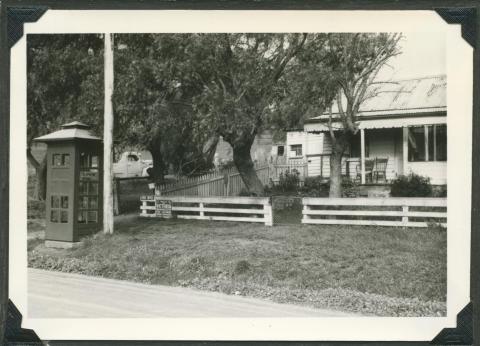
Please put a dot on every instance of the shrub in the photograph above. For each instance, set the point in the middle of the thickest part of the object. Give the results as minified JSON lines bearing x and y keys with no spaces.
{"x":288,"y":181}
{"x":412,"y":185}
{"x":349,"y":188}
{"x":315,"y":187}
{"x":439,"y":191}
{"x":35,"y":209}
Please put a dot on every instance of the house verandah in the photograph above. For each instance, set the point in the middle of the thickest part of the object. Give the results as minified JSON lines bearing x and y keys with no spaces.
{"x":381,"y":150}
{"x":379,"y":155}
{"x":402,"y":130}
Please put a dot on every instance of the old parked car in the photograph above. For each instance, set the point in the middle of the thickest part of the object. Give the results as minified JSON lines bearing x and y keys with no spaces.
{"x":131,"y":165}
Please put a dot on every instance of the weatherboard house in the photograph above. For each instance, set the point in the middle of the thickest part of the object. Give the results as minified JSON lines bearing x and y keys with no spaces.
{"x":402,"y":129}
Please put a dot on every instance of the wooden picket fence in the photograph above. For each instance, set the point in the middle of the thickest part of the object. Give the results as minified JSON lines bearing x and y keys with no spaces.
{"x":239,"y":209}
{"x":221,"y":183}
{"x":392,"y":211}
{"x":300,"y":166}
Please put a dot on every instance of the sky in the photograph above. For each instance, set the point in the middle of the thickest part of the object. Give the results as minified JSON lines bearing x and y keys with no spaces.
{"x":423,"y":54}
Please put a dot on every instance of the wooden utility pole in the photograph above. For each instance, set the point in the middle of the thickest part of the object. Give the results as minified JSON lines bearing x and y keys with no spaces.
{"x":108,"y":137}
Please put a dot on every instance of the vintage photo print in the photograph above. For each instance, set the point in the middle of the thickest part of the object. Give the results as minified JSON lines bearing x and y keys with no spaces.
{"x":240,"y":175}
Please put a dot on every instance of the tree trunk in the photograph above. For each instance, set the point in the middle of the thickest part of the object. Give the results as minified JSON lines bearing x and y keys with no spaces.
{"x":40,"y":191}
{"x":338,"y":149}
{"x":243,"y":162}
{"x":335,"y":174}
{"x":41,"y":184}
{"x":158,"y":169}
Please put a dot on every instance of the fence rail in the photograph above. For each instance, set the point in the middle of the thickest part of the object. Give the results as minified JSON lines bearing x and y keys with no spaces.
{"x":406,"y":212}
{"x":242,"y":209}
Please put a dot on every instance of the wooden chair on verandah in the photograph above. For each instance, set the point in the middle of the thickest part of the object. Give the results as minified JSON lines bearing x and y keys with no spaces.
{"x":380,"y":169}
{"x":369,"y":164}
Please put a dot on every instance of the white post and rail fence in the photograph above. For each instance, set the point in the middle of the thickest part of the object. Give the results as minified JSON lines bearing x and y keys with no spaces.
{"x":391,"y":211}
{"x":239,"y":209}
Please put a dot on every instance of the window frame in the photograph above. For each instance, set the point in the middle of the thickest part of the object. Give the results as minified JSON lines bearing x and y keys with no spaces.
{"x":283,"y":150}
{"x":427,"y":130}
{"x":296,"y":153}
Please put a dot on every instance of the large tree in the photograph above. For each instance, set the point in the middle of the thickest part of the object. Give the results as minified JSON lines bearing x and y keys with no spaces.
{"x":64,"y":76}
{"x":355,"y":61}
{"x":153,"y":103}
{"x":239,"y":75}
{"x":339,"y":70}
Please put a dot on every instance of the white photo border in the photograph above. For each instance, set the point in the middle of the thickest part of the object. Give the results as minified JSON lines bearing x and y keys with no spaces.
{"x":459,"y":119}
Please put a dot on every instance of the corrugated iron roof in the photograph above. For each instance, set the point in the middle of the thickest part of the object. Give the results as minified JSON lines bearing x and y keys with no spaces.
{"x":409,"y":96}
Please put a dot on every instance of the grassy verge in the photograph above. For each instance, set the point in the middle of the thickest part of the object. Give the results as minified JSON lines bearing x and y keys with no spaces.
{"x":370,"y":270}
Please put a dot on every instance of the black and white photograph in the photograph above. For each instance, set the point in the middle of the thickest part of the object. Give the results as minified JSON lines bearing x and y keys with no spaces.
{"x":285,"y":175}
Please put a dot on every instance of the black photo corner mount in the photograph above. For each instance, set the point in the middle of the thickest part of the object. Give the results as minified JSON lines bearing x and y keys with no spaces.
{"x":466,"y":17}
{"x":461,"y":335}
{"x":14,"y":333}
{"x":16,"y":16}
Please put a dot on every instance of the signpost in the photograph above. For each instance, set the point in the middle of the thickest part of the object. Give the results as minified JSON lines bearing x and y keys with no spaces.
{"x":163,"y":207}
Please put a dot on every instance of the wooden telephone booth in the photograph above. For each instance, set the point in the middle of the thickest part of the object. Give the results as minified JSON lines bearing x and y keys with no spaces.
{"x":74,"y":184}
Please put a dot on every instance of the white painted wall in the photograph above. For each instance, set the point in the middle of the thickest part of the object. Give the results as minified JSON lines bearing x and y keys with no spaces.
{"x":437,"y":171}
{"x":294,"y":138}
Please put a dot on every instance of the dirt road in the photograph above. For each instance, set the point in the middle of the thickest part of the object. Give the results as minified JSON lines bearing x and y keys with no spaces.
{"x":61,"y":295}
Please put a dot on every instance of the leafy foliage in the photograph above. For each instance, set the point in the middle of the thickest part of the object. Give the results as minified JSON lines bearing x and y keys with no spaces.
{"x":152,"y":101}
{"x":288,"y":181}
{"x":64,"y":82}
{"x":338,"y":69}
{"x":412,"y":185}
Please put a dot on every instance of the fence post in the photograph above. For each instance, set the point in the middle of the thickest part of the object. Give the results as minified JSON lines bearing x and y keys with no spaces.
{"x":228,"y":183}
{"x":268,"y":213}
{"x":405,"y":218}
{"x":305,"y":216}
{"x":116,"y":192}
{"x":202,"y":212}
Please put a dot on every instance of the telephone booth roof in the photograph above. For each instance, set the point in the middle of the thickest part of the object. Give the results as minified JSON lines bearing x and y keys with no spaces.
{"x":73,"y":130}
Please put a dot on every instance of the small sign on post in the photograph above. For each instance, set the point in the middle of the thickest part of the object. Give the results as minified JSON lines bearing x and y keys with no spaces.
{"x":163,"y":208}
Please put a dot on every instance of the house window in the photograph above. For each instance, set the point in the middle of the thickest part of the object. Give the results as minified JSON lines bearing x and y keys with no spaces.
{"x":280,"y":150}
{"x":427,"y":143}
{"x":296,"y":150}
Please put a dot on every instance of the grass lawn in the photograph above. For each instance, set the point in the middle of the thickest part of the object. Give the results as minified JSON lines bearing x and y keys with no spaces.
{"x":370,"y":270}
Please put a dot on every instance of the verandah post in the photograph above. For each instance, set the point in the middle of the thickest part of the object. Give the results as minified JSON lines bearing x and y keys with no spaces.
{"x":405,"y":149}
